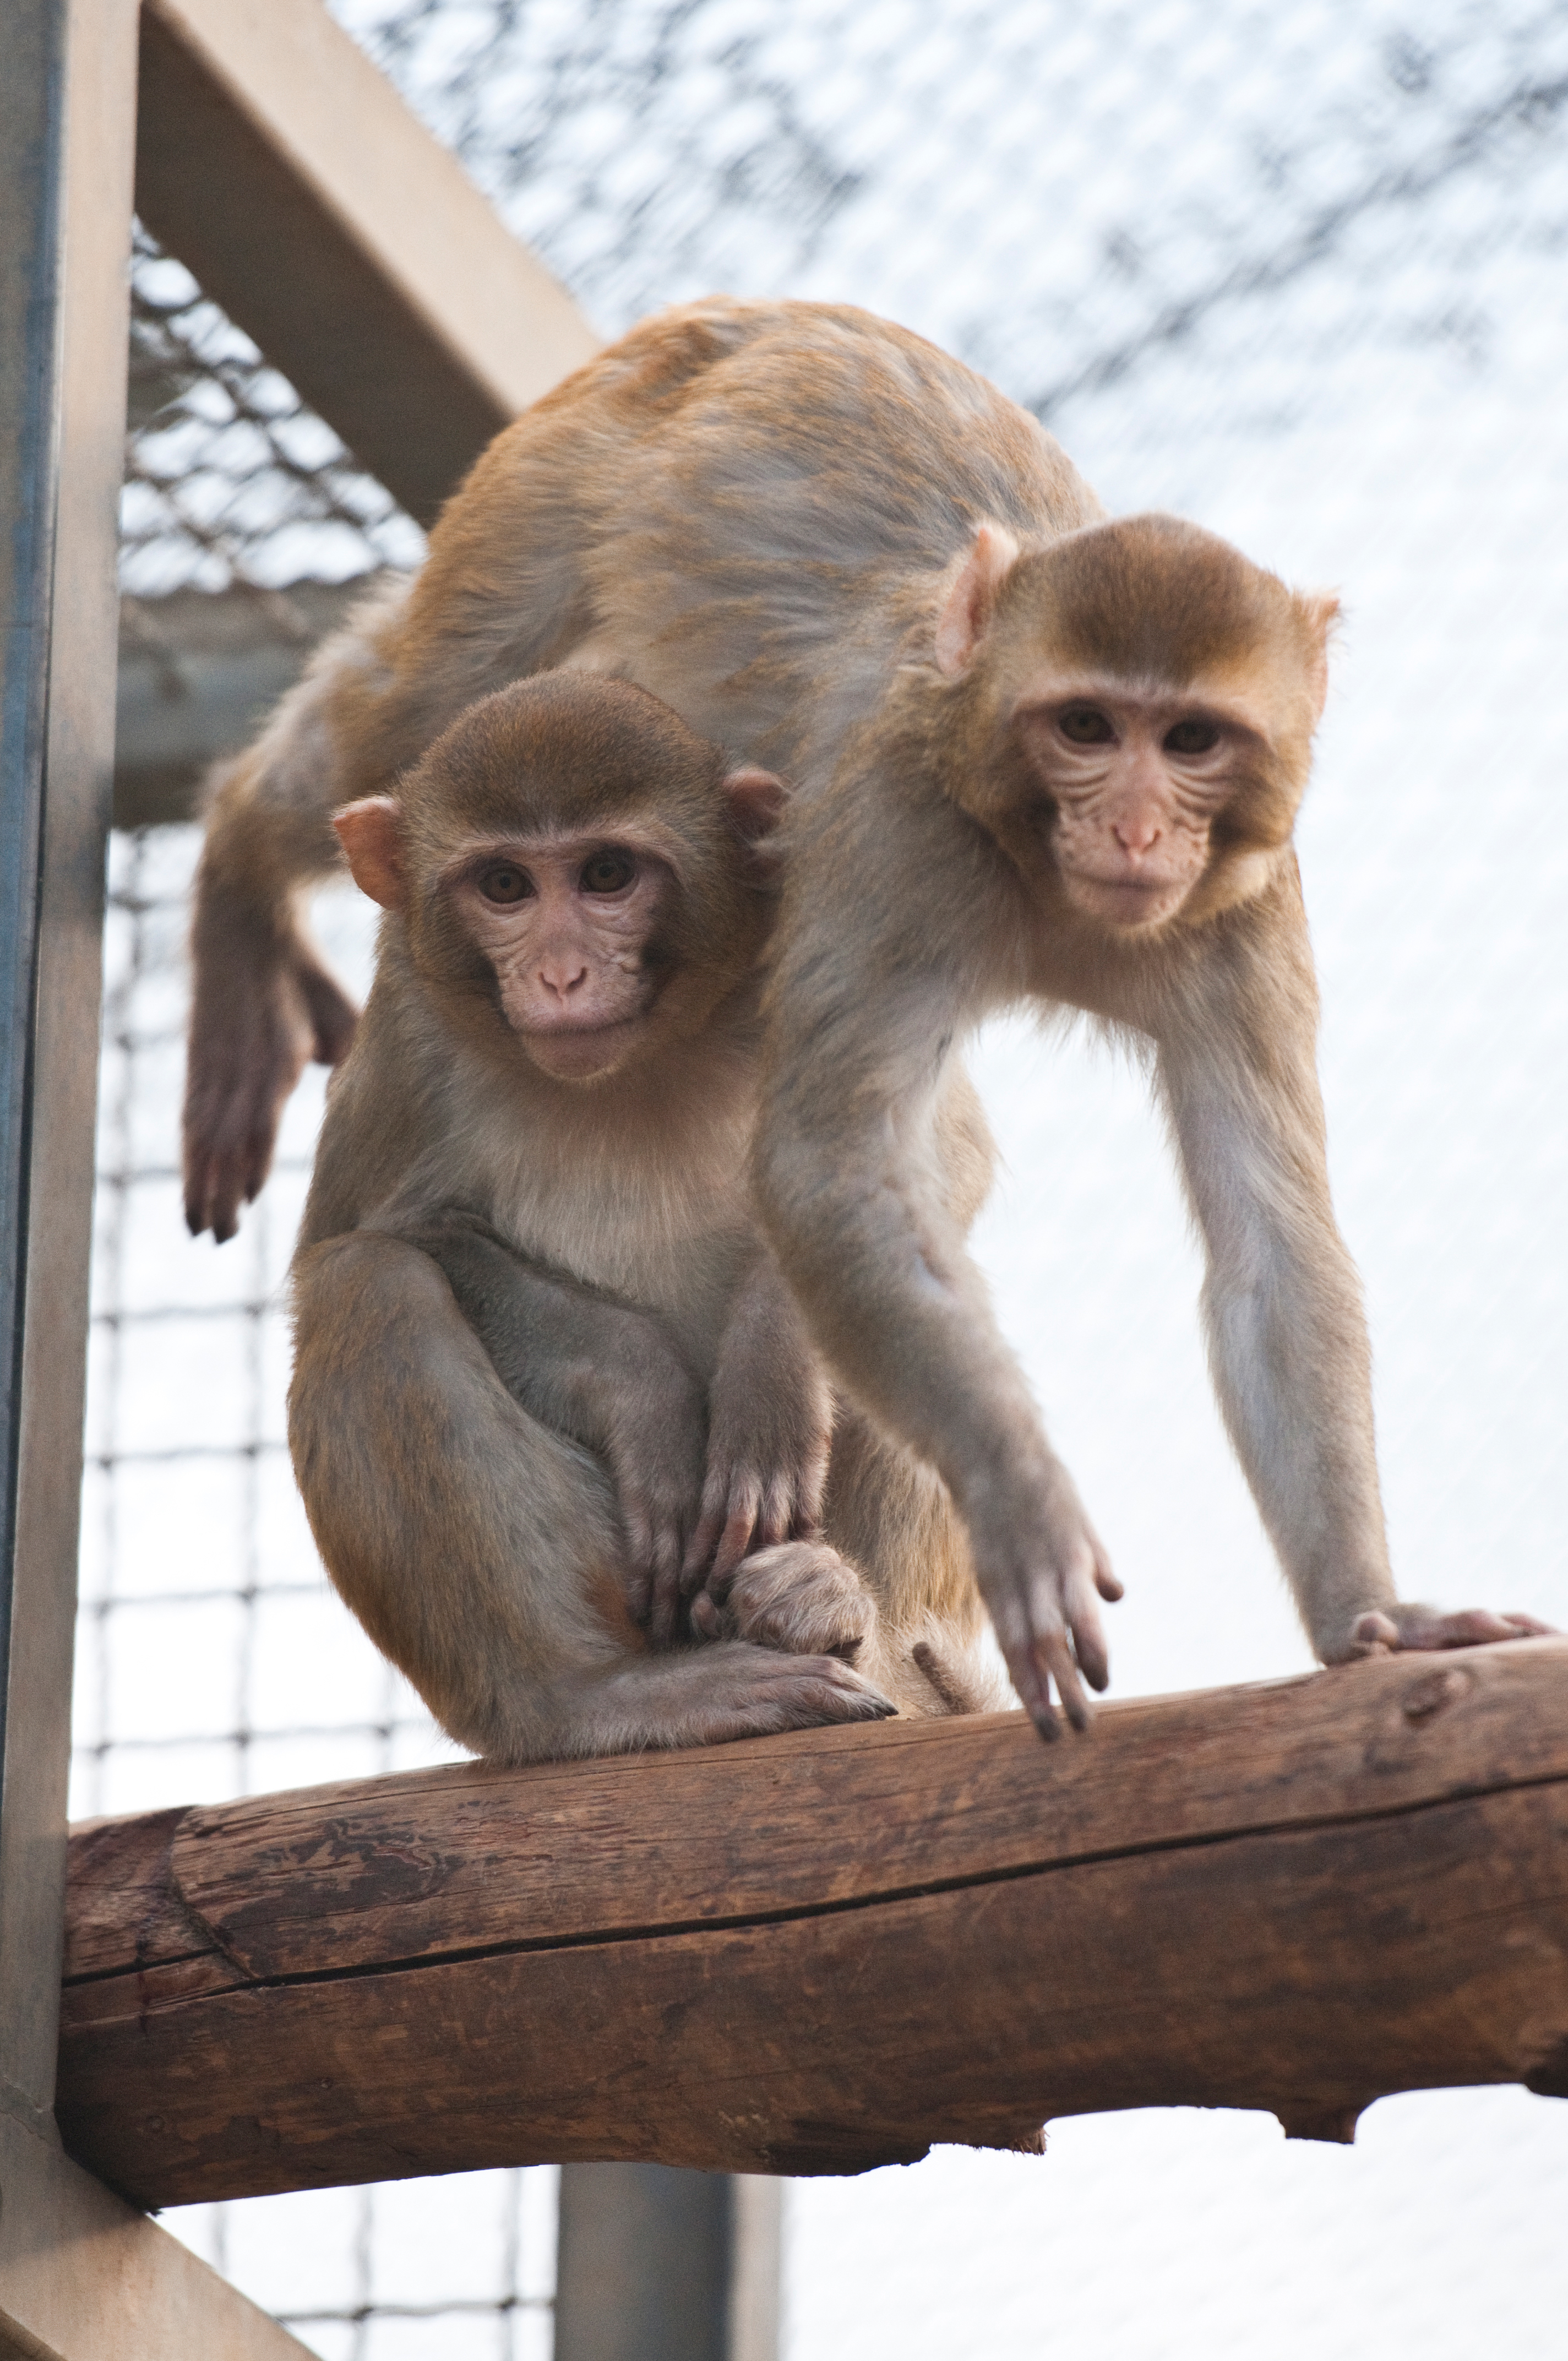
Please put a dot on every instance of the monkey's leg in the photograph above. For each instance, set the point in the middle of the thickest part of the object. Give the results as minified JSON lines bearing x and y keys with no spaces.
{"x":602,"y":1372}
{"x":483,"y":1553}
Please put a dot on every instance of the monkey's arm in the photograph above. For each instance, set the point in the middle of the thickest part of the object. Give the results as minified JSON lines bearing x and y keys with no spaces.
{"x":885,"y":954}
{"x":1282,"y":1303}
{"x":601,"y":1372}
{"x":770,"y":1421}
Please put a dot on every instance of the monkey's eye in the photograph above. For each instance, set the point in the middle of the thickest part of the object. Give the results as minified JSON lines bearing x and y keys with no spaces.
{"x":606,"y":872}
{"x":1194,"y":737}
{"x":503,"y":881}
{"x":1085,"y":725}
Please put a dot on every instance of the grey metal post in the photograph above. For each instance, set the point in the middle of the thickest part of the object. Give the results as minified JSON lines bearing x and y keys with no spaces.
{"x":82,"y":2275}
{"x":662,"y":2264}
{"x":67,"y":113}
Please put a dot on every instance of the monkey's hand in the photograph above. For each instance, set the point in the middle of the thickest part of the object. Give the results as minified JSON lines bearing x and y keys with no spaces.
{"x":263,"y":1006}
{"x":652,"y":1442}
{"x":770,"y":1421}
{"x":801,"y":1596}
{"x":1041,"y":1576}
{"x":1405,"y":1625}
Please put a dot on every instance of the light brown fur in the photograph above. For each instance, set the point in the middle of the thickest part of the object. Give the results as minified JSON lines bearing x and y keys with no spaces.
{"x":1155,"y":887}
{"x":782,"y":518}
{"x":549,"y":1383}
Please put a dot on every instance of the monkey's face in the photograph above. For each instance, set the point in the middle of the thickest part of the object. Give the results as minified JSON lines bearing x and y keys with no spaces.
{"x":574,"y":871}
{"x":1129,"y":786}
{"x":1132,"y":714}
{"x":574,"y":928}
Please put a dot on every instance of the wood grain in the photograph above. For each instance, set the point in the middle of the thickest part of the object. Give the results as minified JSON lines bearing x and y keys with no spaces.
{"x":824,"y":1952}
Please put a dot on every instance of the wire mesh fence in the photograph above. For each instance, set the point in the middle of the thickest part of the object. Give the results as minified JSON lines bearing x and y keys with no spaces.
{"x":1299,"y":274}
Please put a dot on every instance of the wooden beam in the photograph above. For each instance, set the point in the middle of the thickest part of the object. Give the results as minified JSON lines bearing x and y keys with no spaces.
{"x":199,"y":671}
{"x":824,"y":1952}
{"x":277,"y":163}
{"x":83,"y":2276}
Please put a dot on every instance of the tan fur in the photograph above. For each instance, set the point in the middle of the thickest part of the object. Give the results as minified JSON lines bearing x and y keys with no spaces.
{"x":547,"y":1377}
{"x":763,"y":513}
{"x":727,"y":507}
{"x":979,"y":821}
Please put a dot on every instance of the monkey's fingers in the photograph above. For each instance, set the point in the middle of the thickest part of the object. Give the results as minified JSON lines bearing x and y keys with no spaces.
{"x":237,"y":1087}
{"x":737,"y":1538}
{"x":1415,"y":1627}
{"x":1090,"y":1654}
{"x":776,"y":1513}
{"x":711,"y":1514}
{"x":724,"y":1528}
{"x":220,"y":1178}
{"x":709,"y":1621}
{"x":1375,"y":1635}
{"x":1029,"y":1672}
{"x":1053,"y":1656}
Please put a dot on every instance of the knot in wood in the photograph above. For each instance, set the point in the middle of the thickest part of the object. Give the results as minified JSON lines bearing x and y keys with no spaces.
{"x":1433,"y":1692}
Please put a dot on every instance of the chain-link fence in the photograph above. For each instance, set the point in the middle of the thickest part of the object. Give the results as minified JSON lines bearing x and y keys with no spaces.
{"x":1299,"y":274}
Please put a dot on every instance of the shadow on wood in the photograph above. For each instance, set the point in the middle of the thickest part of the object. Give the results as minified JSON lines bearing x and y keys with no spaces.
{"x":822,"y":1952}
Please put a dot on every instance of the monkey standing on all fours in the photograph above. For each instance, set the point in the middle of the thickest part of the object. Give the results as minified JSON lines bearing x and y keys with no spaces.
{"x":1032,"y":756}
{"x":549,"y":1384}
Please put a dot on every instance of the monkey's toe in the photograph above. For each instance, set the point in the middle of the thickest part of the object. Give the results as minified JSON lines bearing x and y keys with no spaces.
{"x":802,"y":1598}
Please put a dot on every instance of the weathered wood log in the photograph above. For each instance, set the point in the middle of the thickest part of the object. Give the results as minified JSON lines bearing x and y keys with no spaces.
{"x":824,"y":1952}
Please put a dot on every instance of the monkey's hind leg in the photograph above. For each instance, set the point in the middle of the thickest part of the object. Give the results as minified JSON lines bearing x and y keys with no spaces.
{"x":705,"y":1696}
{"x":483,"y":1552}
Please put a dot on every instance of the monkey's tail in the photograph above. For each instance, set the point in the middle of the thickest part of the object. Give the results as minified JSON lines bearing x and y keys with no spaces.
{"x":962,"y":1683}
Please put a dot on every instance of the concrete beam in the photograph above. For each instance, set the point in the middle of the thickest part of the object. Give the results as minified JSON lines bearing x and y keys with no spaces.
{"x":285,"y":171}
{"x":661,"y":2265}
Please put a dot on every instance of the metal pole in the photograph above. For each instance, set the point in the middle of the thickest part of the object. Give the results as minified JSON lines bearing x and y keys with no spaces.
{"x":662,"y":2264}
{"x":82,"y":2275}
{"x":66,"y":98}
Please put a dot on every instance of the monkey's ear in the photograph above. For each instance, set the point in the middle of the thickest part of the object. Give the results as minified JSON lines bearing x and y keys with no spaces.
{"x":371,"y":834}
{"x":1319,"y":612}
{"x":756,"y":800}
{"x":972,"y":602}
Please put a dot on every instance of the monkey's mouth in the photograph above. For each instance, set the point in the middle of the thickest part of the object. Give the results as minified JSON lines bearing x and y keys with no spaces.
{"x":577,"y":1052}
{"x":1126,"y":902}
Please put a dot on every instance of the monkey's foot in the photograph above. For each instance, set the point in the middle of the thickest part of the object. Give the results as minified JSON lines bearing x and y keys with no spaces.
{"x":705,"y":1697}
{"x":798,"y":1596}
{"x":1407,"y":1624}
{"x":252,"y":1034}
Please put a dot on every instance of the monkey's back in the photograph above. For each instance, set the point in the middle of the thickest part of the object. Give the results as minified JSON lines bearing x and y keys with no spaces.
{"x":729,"y":505}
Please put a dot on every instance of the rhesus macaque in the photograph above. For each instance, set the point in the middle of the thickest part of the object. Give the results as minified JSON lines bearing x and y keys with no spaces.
{"x":1031,"y":756}
{"x":550,"y":1387}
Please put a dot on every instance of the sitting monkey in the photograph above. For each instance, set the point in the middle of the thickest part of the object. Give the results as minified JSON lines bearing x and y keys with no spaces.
{"x":549,"y":1385}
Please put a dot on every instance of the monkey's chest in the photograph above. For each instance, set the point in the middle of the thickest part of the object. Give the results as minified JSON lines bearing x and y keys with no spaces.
{"x":669,"y":1242}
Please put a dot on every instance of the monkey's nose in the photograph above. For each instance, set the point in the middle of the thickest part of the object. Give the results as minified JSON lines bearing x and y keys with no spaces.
{"x":562,"y":977}
{"x":1137,"y":834}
